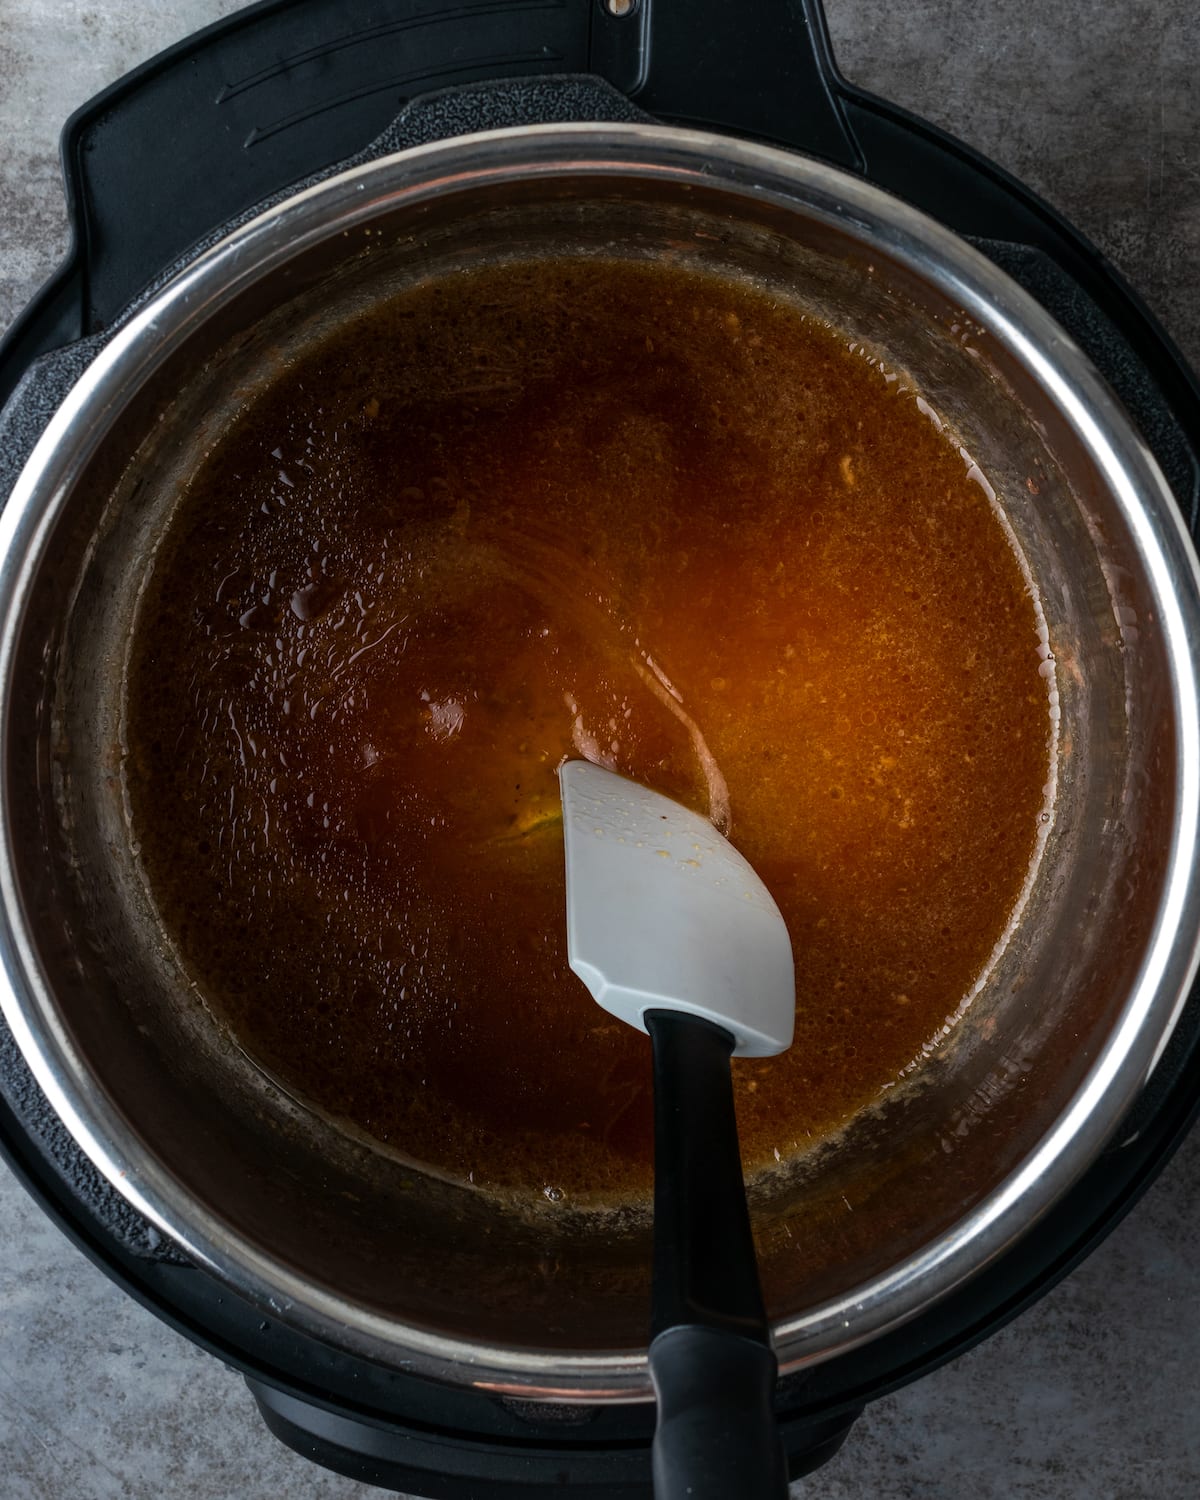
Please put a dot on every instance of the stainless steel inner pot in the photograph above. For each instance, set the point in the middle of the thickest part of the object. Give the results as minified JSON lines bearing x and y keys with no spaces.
{"x":993,"y":1126}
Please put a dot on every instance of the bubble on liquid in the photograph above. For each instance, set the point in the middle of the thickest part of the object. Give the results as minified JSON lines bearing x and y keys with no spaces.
{"x":445,"y":719}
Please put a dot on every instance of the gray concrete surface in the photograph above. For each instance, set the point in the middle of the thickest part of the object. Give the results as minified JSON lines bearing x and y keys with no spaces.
{"x":1092,"y":1393}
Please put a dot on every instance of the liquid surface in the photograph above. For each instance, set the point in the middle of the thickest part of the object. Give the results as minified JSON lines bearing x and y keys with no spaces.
{"x":612,"y":510}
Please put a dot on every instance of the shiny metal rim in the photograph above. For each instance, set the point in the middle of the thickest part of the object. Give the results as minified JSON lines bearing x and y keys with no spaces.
{"x":649,"y":153}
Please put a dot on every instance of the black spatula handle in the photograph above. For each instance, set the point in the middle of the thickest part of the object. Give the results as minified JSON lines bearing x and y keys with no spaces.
{"x":710,"y":1358}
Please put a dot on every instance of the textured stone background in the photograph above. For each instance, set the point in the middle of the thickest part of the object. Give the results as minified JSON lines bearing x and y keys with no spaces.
{"x":1091,"y":1394}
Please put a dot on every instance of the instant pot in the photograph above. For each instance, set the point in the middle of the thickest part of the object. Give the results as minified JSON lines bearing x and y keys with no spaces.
{"x":194,"y":250}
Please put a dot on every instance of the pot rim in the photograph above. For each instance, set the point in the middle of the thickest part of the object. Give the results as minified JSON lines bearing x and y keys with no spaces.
{"x":351,"y":199}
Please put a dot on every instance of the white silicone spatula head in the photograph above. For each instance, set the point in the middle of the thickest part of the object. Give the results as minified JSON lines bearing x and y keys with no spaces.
{"x":664,"y":914}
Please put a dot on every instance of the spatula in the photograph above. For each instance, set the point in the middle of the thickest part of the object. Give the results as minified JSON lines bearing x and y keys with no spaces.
{"x":672,"y":931}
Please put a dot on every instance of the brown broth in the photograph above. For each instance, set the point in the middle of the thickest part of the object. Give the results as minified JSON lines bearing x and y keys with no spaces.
{"x":544,"y":510}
